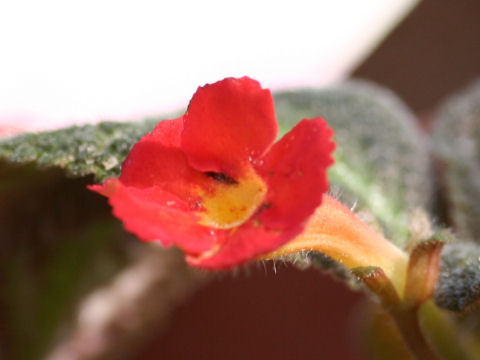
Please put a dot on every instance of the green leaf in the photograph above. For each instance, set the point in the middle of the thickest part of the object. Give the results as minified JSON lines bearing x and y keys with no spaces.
{"x":80,"y":150}
{"x":458,"y":286}
{"x":306,"y":259}
{"x":381,"y":157}
{"x":457,"y":146}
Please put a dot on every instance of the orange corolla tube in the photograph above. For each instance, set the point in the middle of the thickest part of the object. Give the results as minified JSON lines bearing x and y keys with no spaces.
{"x":336,"y":231}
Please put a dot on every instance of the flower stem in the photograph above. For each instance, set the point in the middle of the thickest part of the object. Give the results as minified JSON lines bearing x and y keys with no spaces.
{"x":406,"y":319}
{"x":444,"y":333}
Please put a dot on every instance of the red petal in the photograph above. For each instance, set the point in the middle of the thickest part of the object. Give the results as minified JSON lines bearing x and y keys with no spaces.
{"x":295,"y":170}
{"x":167,"y":133}
{"x":156,"y":160}
{"x":228,"y":123}
{"x":228,"y":128}
{"x":241,"y":245}
{"x":155,"y":215}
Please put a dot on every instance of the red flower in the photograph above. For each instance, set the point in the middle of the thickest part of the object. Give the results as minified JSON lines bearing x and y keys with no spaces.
{"x":213,"y":183}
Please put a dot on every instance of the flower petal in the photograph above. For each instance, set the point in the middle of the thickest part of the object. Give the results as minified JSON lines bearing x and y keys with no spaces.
{"x":295,"y":170}
{"x":167,"y":132}
{"x":240,"y":245}
{"x":156,"y":160}
{"x":206,"y":182}
{"x":156,"y":157}
{"x":155,"y":215}
{"x":228,"y":123}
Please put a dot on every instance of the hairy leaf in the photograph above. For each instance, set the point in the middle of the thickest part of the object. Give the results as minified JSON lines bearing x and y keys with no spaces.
{"x":381,"y":157}
{"x":80,"y":150}
{"x":457,"y":147}
{"x":458,"y":285}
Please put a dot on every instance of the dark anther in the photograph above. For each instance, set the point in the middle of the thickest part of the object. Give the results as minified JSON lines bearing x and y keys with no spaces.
{"x":263,"y":207}
{"x":221,"y":178}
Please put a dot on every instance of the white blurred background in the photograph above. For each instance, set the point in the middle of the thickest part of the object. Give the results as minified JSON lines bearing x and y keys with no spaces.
{"x":64,"y":62}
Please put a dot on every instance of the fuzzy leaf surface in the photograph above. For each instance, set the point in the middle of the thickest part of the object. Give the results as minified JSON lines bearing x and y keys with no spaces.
{"x":457,"y":148}
{"x":458,"y":286}
{"x":80,"y":150}
{"x":381,"y":159}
